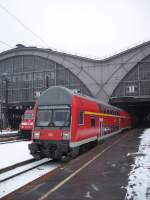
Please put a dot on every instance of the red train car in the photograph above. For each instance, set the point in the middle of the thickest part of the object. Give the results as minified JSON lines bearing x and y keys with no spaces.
{"x":66,"y":121}
{"x":27,"y":124}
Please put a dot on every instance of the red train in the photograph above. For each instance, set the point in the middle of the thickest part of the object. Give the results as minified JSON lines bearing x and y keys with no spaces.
{"x":27,"y":124}
{"x":66,"y":121}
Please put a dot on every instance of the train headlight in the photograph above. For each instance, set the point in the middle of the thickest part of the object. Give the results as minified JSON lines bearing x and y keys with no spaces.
{"x":36,"y":135}
{"x":66,"y":136}
{"x":24,"y":123}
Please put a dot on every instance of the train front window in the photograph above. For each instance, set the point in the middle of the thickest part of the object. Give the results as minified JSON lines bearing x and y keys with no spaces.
{"x":43,"y":117}
{"x":61,"y":117}
{"x":27,"y":116}
{"x":53,"y":118}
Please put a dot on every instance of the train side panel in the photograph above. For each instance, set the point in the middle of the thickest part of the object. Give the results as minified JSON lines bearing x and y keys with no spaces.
{"x":81,"y":129}
{"x":89,"y":123}
{"x":125,"y":120}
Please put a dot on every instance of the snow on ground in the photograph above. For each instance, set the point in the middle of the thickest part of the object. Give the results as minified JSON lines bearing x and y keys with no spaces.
{"x":5,"y":132}
{"x":13,"y":153}
{"x":139,"y":178}
{"x":17,"y":182}
{"x":21,"y":169}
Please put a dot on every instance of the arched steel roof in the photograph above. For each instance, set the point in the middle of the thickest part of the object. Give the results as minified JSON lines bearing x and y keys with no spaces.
{"x":101,"y":77}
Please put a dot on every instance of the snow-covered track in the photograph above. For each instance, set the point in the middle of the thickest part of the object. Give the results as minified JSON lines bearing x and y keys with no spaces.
{"x":21,"y":176}
{"x":7,"y":134}
{"x":21,"y":169}
{"x":13,"y":141}
{"x":6,"y":169}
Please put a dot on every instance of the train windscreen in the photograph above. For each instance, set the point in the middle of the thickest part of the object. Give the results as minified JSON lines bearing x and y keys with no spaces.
{"x":27,"y":116}
{"x":58,"y":117}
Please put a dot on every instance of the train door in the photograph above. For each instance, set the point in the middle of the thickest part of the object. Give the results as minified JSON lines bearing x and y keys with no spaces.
{"x":100,"y":128}
{"x":120,"y":125}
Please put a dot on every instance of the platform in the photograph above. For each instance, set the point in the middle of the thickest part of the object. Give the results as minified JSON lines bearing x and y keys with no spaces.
{"x":101,"y":173}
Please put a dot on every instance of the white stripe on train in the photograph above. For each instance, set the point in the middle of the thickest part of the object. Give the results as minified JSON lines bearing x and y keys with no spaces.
{"x":79,"y":143}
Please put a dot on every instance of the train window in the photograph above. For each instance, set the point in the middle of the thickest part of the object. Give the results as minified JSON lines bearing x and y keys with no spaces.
{"x":53,"y":118}
{"x":122,"y":120}
{"x":81,"y":118}
{"x":43,"y":117}
{"x":102,"y":109}
{"x":61,"y":117}
{"x":92,"y":121}
{"x":27,"y":116}
{"x":105,"y":111}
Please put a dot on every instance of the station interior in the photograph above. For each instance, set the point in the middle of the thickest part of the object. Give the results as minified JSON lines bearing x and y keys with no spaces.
{"x":121,"y":80}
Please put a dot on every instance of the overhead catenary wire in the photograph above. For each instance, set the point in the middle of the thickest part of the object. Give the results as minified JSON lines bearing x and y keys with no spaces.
{"x":6,"y":44}
{"x":39,"y":37}
{"x":23,"y":25}
{"x":102,"y":64}
{"x":27,"y":28}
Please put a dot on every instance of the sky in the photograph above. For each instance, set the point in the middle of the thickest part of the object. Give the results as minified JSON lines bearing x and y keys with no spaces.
{"x":91,"y":28}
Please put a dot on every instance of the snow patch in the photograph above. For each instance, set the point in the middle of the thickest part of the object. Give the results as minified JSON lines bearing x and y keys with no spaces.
{"x":95,"y":187}
{"x":21,"y":169}
{"x":5,"y":132}
{"x":139,"y":178}
{"x":17,"y":182}
{"x":13,"y":153}
{"x":88,"y":195}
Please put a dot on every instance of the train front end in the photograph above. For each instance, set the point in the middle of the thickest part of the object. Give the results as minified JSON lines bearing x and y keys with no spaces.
{"x":51,"y":134}
{"x":26,"y":125}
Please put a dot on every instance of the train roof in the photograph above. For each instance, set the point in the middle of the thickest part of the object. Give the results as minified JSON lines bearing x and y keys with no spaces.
{"x":59,"y":95}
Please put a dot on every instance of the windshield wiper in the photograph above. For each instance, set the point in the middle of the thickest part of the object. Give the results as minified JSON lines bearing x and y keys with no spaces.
{"x":51,"y":124}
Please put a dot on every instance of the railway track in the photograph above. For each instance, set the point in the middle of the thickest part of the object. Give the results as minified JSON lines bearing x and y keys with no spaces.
{"x":13,"y":141}
{"x":15,"y":135}
{"x":13,"y":179}
{"x":32,"y":164}
{"x":4,"y":134}
{"x":6,"y":169}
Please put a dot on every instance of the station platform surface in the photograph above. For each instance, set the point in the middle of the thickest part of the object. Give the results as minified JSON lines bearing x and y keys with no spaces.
{"x":100,"y":173}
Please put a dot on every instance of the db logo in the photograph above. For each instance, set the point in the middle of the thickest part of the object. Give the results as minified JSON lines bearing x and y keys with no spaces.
{"x":50,"y":134}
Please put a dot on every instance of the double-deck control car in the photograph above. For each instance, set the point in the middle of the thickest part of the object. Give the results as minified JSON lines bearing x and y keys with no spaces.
{"x":66,"y":121}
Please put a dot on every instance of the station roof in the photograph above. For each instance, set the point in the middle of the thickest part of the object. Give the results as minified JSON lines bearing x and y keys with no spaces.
{"x":21,"y":47}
